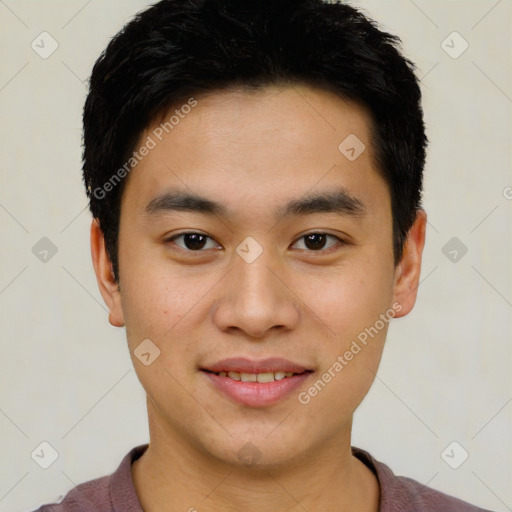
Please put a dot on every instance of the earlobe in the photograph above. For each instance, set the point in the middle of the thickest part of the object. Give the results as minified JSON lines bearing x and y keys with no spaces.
{"x":407,"y":273}
{"x":107,"y":283}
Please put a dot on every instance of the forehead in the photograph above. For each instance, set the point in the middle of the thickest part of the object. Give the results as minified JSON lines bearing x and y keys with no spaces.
{"x":260,"y":145}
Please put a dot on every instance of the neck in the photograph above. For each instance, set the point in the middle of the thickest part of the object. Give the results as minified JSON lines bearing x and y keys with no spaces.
{"x":175,"y":475}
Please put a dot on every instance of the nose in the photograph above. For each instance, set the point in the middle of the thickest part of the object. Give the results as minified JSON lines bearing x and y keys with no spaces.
{"x":256,"y":299}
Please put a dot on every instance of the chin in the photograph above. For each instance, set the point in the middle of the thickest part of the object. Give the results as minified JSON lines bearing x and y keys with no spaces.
{"x":256,"y":450}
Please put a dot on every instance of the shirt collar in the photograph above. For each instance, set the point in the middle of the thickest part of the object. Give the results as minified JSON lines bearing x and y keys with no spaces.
{"x":124,"y":497}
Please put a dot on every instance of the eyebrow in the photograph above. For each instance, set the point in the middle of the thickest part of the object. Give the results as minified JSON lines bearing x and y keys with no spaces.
{"x":337,"y":201}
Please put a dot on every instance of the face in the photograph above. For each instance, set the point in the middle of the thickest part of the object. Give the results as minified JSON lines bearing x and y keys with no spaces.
{"x":252,"y":242}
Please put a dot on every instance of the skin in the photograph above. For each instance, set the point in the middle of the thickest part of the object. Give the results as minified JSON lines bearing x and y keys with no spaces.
{"x":253,"y":152}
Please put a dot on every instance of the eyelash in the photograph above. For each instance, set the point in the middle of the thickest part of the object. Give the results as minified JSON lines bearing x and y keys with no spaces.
{"x":320,"y":251}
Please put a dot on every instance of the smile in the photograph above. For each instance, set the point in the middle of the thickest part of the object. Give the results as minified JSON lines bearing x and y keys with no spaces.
{"x":256,"y":389}
{"x":256,"y":377}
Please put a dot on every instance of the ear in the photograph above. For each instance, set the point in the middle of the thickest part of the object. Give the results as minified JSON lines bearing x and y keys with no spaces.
{"x":407,"y":272}
{"x":107,"y":284}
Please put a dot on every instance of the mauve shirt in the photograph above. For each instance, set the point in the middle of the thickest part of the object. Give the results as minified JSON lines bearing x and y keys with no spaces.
{"x":116,"y":492}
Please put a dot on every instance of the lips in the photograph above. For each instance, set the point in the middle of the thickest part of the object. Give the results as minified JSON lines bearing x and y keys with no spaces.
{"x":256,"y":383}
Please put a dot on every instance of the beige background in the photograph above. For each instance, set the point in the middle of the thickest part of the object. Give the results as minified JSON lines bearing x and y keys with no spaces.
{"x":65,"y":375}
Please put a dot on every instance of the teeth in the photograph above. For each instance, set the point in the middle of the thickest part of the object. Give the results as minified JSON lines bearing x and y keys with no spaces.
{"x":265,"y":377}
{"x":256,"y":377}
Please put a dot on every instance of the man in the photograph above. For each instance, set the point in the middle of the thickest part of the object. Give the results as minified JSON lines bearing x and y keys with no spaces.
{"x":254,"y":172}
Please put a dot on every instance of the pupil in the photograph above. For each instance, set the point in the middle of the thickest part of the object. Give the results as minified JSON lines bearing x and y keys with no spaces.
{"x":315,"y":241}
{"x":193,"y":241}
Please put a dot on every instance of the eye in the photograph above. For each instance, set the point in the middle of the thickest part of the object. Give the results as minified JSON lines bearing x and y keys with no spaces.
{"x":316,"y":241}
{"x":192,"y":241}
{"x":195,"y":242}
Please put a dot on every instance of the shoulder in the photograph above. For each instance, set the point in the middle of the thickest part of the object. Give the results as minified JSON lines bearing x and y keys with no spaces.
{"x":86,"y":497}
{"x":111,"y":493}
{"x":402,"y":494}
{"x":408,"y":492}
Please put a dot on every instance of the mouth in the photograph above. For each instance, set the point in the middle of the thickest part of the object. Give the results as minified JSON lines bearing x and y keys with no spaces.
{"x":256,"y":383}
{"x":257,"y":377}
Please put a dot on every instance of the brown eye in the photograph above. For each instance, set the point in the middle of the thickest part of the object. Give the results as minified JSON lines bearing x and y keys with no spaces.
{"x":192,"y":241}
{"x":316,"y":241}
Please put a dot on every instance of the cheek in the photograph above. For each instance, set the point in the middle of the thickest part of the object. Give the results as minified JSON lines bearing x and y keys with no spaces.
{"x":155,"y":304}
{"x":160,"y":308}
{"x":170,"y":307}
{"x":348,"y":299}
{"x":354,"y":308}
{"x":155,"y":295}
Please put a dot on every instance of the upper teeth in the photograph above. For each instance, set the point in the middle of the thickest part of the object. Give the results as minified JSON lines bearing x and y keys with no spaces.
{"x":256,"y":377}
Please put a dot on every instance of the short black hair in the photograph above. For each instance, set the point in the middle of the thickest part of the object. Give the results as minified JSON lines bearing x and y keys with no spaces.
{"x":179,"y":48}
